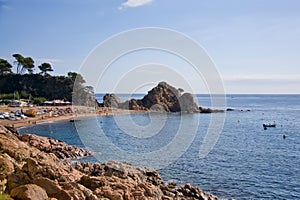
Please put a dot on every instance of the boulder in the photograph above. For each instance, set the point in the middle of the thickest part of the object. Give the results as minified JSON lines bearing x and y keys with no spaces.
{"x":187,"y":103}
{"x":52,"y":188}
{"x":193,"y":192}
{"x":29,"y":192}
{"x":6,"y":165}
{"x":59,"y":148}
{"x":111,"y":100}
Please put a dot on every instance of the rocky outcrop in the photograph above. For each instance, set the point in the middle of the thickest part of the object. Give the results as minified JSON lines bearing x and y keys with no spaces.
{"x":132,"y":104}
{"x":26,"y":172}
{"x":164,"y":95}
{"x":162,"y":98}
{"x":59,"y":148}
{"x":111,"y":100}
{"x":209,"y":110}
{"x":129,"y":182}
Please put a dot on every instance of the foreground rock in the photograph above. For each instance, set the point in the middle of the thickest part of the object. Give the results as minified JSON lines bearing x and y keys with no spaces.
{"x":59,"y":148}
{"x":26,"y":172}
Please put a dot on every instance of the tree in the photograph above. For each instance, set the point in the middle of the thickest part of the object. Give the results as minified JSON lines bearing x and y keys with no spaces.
{"x":81,"y":95}
{"x":76,"y":77}
{"x":19,"y":62}
{"x":23,"y":63}
{"x":28,"y":64}
{"x":5,"y":67}
{"x":45,"y":67}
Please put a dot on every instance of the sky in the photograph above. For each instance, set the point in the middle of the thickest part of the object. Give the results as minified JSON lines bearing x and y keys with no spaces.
{"x":254,"y":44}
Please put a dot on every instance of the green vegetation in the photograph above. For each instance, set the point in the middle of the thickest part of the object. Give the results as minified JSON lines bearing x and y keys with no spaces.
{"x":5,"y":67}
{"x":40,"y":86}
{"x":38,"y":100}
{"x":4,"y":196}
{"x":45,"y":67}
{"x":24,"y":64}
{"x":7,"y":96}
{"x":2,"y":168}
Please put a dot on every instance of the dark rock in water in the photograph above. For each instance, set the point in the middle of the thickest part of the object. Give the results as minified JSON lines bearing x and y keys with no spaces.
{"x":245,"y":110}
{"x":209,"y":110}
{"x":229,"y":109}
{"x":111,"y":100}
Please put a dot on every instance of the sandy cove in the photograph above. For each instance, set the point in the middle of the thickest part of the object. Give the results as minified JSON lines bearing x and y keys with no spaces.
{"x":79,"y":113}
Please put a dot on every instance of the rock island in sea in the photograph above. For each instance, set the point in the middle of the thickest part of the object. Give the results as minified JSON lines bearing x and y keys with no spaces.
{"x":162,"y":98}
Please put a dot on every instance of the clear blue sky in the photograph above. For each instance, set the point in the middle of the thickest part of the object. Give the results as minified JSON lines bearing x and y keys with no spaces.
{"x":255,"y":44}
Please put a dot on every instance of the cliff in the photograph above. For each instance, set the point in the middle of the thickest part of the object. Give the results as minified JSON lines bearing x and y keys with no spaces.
{"x":30,"y":168}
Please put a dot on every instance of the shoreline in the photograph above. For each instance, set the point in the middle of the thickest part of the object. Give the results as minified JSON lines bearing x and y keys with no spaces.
{"x":31,"y":121}
{"x":35,"y":168}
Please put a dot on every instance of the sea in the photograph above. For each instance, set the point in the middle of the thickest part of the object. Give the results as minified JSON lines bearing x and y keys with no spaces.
{"x":242,"y":161}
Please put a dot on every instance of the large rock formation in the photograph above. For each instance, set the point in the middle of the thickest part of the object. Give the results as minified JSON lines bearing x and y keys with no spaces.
{"x":111,"y":100}
{"x":163,"y":97}
{"x":26,"y":172}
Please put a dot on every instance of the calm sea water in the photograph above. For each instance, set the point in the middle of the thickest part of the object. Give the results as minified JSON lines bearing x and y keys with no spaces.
{"x":247,"y":162}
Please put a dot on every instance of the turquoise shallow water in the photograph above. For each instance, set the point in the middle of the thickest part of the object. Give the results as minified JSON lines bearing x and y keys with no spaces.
{"x":247,"y":162}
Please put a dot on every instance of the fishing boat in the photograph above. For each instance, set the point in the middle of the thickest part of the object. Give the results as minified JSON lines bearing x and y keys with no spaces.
{"x":74,"y":120}
{"x":269,"y":126}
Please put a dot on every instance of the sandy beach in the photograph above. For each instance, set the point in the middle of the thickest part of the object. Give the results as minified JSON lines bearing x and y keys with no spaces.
{"x":42,"y":118}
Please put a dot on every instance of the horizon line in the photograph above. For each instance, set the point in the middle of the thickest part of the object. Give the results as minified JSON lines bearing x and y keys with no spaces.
{"x":206,"y":93}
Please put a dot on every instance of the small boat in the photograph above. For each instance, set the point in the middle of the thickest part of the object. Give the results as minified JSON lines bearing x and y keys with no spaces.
{"x":74,"y":120}
{"x":269,"y":126}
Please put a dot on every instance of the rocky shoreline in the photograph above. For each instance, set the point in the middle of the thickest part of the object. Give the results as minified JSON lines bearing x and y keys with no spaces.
{"x":31,"y":168}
